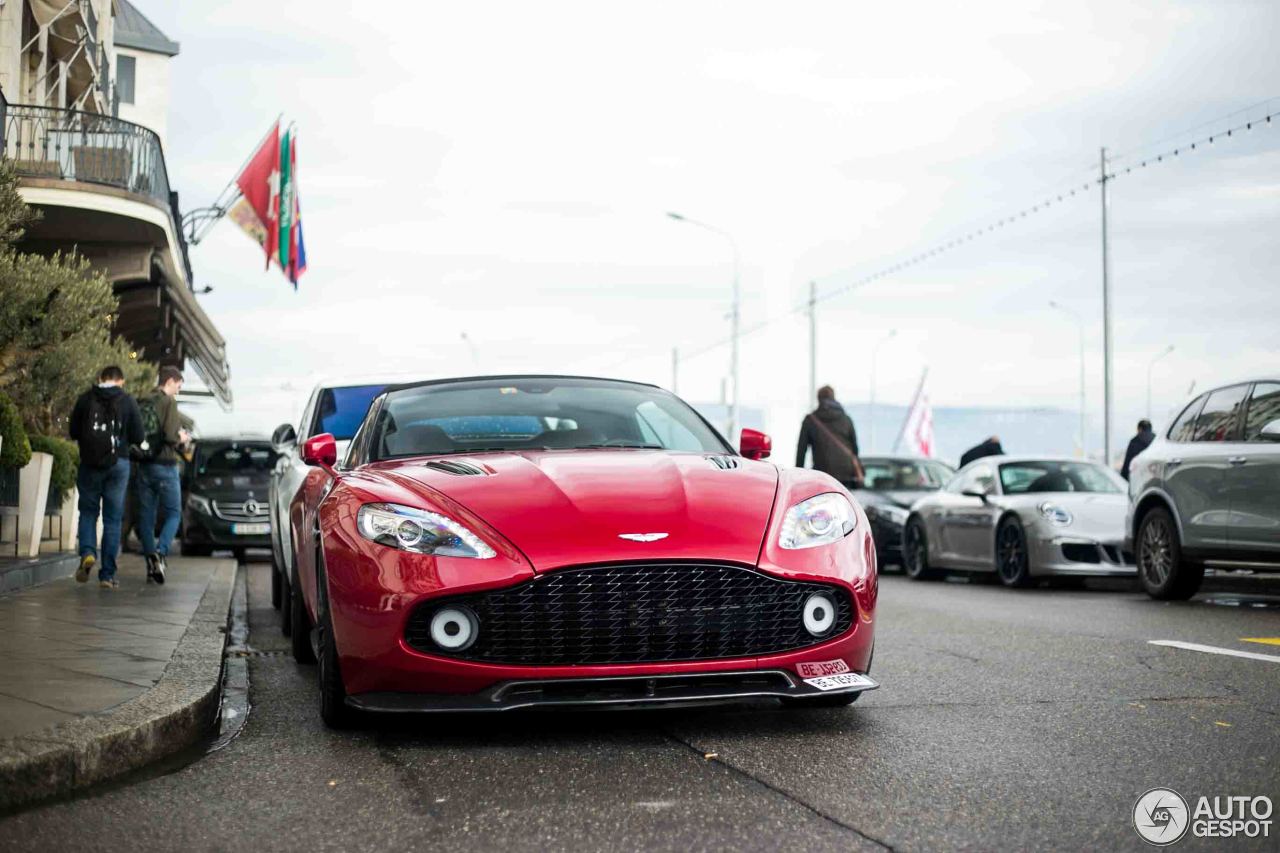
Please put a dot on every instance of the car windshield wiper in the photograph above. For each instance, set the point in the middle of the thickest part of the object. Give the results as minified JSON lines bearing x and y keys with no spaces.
{"x":493,"y":449}
{"x":626,"y":445}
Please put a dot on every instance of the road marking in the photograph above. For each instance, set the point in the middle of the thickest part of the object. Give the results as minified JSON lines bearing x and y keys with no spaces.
{"x":1270,"y":641}
{"x":1215,"y":650}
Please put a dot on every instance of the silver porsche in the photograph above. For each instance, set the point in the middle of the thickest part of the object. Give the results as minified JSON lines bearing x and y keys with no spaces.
{"x":1022,"y":517}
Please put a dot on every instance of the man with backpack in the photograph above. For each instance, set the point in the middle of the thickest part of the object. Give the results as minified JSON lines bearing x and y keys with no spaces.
{"x":104,"y":423}
{"x":829,"y":430}
{"x":158,"y":481}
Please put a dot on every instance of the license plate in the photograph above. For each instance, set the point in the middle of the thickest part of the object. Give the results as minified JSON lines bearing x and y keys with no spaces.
{"x":813,"y":669}
{"x":251,"y":529}
{"x":835,"y":682}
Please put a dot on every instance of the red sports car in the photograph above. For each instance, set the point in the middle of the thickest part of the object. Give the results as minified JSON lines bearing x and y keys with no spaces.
{"x":516,"y":541}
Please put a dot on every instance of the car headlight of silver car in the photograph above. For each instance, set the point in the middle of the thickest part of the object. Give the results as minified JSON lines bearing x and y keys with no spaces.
{"x":199,"y":503}
{"x":1055,"y":514}
{"x":419,"y":531}
{"x":817,"y":521}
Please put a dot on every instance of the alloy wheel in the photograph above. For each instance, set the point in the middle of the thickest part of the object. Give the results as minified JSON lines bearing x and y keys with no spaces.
{"x":1154,"y":553}
{"x":1012,"y":553}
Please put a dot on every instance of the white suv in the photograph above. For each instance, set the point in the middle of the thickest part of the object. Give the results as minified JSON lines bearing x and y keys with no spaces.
{"x":1209,"y":490}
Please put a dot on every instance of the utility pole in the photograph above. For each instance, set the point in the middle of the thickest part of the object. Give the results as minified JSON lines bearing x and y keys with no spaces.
{"x":813,"y":341}
{"x":675,"y":370}
{"x":1106,"y":318}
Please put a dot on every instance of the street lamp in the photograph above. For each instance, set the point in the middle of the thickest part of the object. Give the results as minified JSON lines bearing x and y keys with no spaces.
{"x":734,"y":315}
{"x":1150,"y":365}
{"x":871,"y":417}
{"x":1080,"y":324}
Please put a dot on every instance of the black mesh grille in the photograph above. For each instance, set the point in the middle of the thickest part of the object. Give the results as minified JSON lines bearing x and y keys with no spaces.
{"x":636,"y":613}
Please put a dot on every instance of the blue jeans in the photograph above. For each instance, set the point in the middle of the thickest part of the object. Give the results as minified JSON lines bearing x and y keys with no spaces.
{"x":158,"y":483}
{"x":105,"y":487}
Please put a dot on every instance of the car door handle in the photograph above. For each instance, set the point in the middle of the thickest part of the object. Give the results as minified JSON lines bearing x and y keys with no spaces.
{"x":1237,"y":460}
{"x":1173,"y":463}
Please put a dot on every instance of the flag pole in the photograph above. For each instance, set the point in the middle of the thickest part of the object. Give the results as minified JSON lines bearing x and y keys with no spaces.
{"x":897,"y":442}
{"x":202,"y":219}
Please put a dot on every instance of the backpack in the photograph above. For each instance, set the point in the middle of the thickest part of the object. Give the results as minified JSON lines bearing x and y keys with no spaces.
{"x":98,"y":439}
{"x":152,"y":432}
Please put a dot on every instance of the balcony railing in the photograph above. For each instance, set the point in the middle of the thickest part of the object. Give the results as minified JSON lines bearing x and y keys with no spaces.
{"x":69,"y":145}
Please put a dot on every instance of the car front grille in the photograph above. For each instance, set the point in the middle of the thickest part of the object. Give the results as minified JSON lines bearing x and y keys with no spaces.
{"x":636,"y":613}
{"x":240,"y":511}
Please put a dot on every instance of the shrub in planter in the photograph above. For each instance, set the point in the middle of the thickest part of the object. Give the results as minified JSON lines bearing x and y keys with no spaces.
{"x":16,"y":449}
{"x":66,"y":461}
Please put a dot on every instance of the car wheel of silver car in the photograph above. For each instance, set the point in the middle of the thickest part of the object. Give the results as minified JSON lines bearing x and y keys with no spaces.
{"x":1164,"y":573}
{"x":915,"y":552}
{"x":1013,"y":562}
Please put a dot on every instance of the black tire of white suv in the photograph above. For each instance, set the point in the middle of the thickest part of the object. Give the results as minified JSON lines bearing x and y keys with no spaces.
{"x":1165,"y":574}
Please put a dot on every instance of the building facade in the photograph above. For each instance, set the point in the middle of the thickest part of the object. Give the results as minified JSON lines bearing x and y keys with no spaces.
{"x":86,"y":86}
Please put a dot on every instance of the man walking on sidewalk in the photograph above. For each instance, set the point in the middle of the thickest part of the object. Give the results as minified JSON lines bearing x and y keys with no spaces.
{"x":829,"y":431}
{"x":104,"y":423}
{"x":158,"y":477}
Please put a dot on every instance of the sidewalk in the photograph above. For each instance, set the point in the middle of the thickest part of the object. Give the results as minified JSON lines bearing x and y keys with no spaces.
{"x":96,"y":682}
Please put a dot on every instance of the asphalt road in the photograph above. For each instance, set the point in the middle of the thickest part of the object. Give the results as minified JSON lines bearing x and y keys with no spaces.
{"x":1007,"y":719}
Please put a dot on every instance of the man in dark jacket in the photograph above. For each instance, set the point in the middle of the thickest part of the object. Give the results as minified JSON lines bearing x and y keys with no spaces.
{"x":990,"y":447}
{"x":104,"y":423}
{"x":829,"y":431}
{"x":158,"y":482}
{"x":1137,"y":444}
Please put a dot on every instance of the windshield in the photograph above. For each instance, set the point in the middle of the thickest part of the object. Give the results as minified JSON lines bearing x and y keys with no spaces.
{"x":341,"y":410}
{"x":234,"y":458}
{"x":535,"y":414}
{"x":904,"y":474}
{"x":1017,"y":478}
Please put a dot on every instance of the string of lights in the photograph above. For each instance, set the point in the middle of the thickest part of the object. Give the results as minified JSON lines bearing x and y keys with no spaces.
{"x":1046,"y":202}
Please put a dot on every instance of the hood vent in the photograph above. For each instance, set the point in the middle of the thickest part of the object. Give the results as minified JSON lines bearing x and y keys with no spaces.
{"x":724,"y":463}
{"x":456,"y":467}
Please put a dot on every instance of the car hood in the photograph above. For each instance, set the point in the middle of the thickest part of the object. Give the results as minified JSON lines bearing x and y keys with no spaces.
{"x":1093,"y":514}
{"x":570,"y":507}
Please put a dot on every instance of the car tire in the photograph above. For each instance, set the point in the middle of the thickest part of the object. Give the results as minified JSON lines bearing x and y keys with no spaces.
{"x":286,"y":607}
{"x":334,"y":710}
{"x":1013,"y":561}
{"x":195,"y":550}
{"x":239,"y":554}
{"x":915,"y":552}
{"x":1165,"y":574}
{"x":276,"y":583}
{"x":300,"y":628}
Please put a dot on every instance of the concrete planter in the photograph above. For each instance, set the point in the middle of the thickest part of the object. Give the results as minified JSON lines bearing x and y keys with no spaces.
{"x":33,"y":496}
{"x":70,"y":514}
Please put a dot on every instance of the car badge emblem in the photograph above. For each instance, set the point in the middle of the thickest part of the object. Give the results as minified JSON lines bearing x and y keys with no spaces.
{"x":643,"y":537}
{"x":251,"y":508}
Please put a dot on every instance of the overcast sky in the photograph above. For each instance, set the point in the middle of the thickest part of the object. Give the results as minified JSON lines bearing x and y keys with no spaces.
{"x":503,"y":169}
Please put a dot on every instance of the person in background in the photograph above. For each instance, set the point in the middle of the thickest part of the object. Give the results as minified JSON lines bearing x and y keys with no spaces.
{"x":158,"y":482}
{"x":990,"y":447}
{"x":104,"y":422}
{"x":1140,"y":442}
{"x":829,"y":431}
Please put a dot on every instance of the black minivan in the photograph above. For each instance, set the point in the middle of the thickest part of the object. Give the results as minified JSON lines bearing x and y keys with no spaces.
{"x":226,"y":496}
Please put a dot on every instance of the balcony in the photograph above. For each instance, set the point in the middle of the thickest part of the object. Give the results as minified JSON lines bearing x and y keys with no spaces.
{"x":104,"y":192}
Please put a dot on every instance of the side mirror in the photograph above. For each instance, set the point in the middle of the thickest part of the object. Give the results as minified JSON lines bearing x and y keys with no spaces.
{"x":975,"y":493}
{"x":754,"y":444}
{"x":320,"y":450}
{"x":1271,"y":432}
{"x":284,"y":438}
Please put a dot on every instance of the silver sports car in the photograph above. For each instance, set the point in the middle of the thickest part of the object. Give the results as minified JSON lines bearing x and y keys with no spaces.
{"x":1023,"y":518}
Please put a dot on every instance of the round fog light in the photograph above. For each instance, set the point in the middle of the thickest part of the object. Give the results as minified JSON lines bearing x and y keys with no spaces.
{"x":819,"y":614}
{"x":454,"y":628}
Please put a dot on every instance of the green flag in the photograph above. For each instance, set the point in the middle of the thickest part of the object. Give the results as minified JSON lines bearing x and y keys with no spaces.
{"x":286,"y":201}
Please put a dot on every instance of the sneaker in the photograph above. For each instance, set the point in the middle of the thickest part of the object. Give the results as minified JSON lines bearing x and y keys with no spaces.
{"x":157,"y":573}
{"x":86,"y":566}
{"x":109,"y":584}
{"x":151,"y":560}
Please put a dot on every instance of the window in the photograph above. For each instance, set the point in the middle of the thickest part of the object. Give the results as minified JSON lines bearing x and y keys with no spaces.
{"x":1184,"y":427}
{"x":902,"y":474}
{"x":341,"y":410}
{"x":659,"y":427}
{"x":1217,"y":421}
{"x":126,"y":72}
{"x":980,"y":478}
{"x":234,"y":458}
{"x":1020,"y":478}
{"x":1264,"y":407}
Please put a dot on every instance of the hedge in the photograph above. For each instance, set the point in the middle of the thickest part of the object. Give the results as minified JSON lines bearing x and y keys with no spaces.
{"x":66,"y":461}
{"x":16,"y":452}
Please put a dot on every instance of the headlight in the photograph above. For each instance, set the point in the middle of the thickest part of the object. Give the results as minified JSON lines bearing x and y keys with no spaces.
{"x":1055,"y":514}
{"x":200,"y":504}
{"x":419,"y":531}
{"x":817,"y":521}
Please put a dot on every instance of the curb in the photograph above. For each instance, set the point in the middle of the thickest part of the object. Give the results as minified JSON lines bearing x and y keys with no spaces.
{"x":179,"y":710}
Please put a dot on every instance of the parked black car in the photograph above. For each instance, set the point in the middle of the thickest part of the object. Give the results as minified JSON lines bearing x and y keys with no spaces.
{"x":226,"y":496}
{"x":890,"y":485}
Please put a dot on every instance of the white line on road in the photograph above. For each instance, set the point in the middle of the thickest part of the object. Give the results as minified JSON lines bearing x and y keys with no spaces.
{"x":1215,"y":650}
